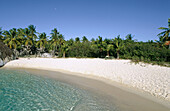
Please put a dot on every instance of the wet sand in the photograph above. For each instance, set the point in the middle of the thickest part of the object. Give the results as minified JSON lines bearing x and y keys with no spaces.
{"x":124,"y":98}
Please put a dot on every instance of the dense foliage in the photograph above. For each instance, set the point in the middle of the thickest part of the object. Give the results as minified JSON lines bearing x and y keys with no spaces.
{"x":27,"y":41}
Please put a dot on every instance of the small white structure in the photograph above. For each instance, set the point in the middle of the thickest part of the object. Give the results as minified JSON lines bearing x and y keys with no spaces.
{"x":47,"y":55}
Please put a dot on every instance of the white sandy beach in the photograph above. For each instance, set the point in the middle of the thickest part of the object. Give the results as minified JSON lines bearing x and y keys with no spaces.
{"x":153,"y":79}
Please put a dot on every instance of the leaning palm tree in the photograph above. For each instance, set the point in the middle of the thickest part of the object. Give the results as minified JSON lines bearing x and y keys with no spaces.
{"x":42,"y":41}
{"x":166,"y":33}
{"x":54,"y":40}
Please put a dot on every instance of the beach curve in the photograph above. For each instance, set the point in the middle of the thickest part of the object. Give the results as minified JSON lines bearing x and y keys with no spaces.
{"x":153,"y":79}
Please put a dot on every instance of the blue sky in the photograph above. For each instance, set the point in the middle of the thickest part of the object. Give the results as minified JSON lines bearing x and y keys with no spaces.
{"x":90,"y":18}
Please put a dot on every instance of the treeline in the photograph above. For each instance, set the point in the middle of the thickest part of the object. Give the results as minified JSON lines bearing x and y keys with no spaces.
{"x":27,"y":41}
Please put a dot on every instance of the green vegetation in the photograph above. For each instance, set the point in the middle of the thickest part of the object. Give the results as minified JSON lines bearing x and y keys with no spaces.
{"x":28,"y":42}
{"x":165,"y":35}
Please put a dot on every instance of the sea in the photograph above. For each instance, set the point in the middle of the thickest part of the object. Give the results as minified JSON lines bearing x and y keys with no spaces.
{"x":23,"y":91}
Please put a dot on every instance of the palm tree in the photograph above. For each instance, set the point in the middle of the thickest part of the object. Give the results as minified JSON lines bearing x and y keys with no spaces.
{"x":77,"y":39}
{"x":109,"y":48}
{"x":166,"y":33}
{"x":100,"y":45}
{"x":129,"y":37}
{"x":92,"y":40}
{"x":33,"y":32}
{"x":70,"y":42}
{"x":29,"y":39}
{"x":54,"y":40}
{"x":84,"y":39}
{"x":161,"y":42}
{"x":60,"y":42}
{"x":21,"y":36}
{"x":11,"y":40}
{"x":118,"y":45}
{"x":42,"y":41}
{"x":64,"y":48}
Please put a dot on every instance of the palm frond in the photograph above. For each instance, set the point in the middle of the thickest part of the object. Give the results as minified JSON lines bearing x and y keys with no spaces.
{"x":161,"y":33}
{"x":164,"y":28}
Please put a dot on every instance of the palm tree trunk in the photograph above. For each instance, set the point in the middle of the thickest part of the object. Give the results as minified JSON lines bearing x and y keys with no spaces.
{"x":59,"y":51}
{"x":15,"y":54}
{"x":101,"y":52}
{"x":117,"y":54}
{"x":53,"y":52}
{"x":108,"y":53}
{"x":27,"y":50}
{"x":64,"y":54}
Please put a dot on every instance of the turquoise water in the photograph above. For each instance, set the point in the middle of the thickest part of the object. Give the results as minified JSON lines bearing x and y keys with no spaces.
{"x":21,"y":91}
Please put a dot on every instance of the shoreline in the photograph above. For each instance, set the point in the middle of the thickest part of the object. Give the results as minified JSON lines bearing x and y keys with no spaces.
{"x":120,"y":72}
{"x":126,"y":98}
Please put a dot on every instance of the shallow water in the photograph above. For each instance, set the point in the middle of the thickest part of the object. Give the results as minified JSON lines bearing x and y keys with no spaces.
{"x":20,"y":91}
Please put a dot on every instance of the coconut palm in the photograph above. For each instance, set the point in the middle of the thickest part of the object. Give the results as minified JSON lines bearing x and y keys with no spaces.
{"x":77,"y":39}
{"x":118,"y":45}
{"x":11,"y":40}
{"x":42,"y":41}
{"x":108,"y":41}
{"x":54,"y":40}
{"x":33,"y":32}
{"x":70,"y":42}
{"x":166,"y":33}
{"x":100,"y":45}
{"x":28,"y":38}
{"x":84,"y":39}
{"x":60,"y":42}
{"x":129,"y":37}
{"x":92,"y":40}
{"x":64,"y":48}
{"x":109,"y":48}
{"x":21,"y":36}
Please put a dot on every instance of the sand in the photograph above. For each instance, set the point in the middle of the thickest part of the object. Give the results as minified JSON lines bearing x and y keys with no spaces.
{"x":151,"y":79}
{"x":118,"y":96}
